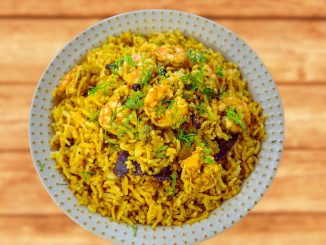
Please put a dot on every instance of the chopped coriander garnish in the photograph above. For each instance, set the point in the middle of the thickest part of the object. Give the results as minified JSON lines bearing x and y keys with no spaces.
{"x":210,"y":160}
{"x":111,"y":142}
{"x":113,"y":116}
{"x":111,"y":66}
{"x":160,"y":110}
{"x":145,"y":77}
{"x":205,"y":149}
{"x":222,"y":92}
{"x":41,"y":166}
{"x":121,"y":132}
{"x":87,"y":174}
{"x":193,"y":80}
{"x":134,"y":228}
{"x":103,"y":86}
{"x":209,"y":91}
{"x":202,"y":108}
{"x":94,"y":116}
{"x":186,"y":138}
{"x":219,"y":71}
{"x":206,"y":155}
{"x":161,"y":69}
{"x":235,"y":117}
{"x":173,"y":179}
{"x":180,"y":122}
{"x":129,"y":60}
{"x":171,"y":103}
{"x":115,"y":66}
{"x":160,"y":151}
{"x":77,"y":74}
{"x":196,"y":56}
{"x":134,"y":101}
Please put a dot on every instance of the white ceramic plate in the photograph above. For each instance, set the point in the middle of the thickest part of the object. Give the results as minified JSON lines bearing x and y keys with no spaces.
{"x":211,"y":34}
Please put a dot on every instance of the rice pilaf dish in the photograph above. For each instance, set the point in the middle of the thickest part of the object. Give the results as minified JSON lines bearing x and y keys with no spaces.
{"x":155,"y":129}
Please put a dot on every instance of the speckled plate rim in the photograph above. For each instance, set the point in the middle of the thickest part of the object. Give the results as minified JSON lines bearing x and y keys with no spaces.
{"x":214,"y":35}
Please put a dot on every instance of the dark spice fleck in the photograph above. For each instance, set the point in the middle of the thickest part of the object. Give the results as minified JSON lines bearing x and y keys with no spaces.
{"x":164,"y":174}
{"x":120,"y":168}
{"x":111,"y":66}
{"x":71,"y":141}
{"x":137,"y":167}
{"x":195,"y":121}
{"x":225,"y":146}
{"x":163,"y":71}
{"x":136,"y":87}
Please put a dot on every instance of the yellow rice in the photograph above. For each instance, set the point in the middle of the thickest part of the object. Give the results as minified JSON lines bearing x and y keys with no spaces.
{"x":86,"y":153}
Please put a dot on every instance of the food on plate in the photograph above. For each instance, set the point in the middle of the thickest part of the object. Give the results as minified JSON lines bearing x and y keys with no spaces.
{"x":155,"y":129}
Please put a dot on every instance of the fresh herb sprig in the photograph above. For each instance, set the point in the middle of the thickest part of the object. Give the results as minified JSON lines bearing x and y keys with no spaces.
{"x":206,"y":156}
{"x":235,"y":117}
{"x":114,"y":67}
{"x":113,"y":145}
{"x":134,"y":228}
{"x":102,"y":86}
{"x":134,"y":101}
{"x":94,"y":116}
{"x":160,"y":153}
{"x":86,"y":175}
{"x":180,"y":122}
{"x":209,"y":92}
{"x":41,"y":166}
{"x":130,"y":61}
{"x":185,"y":138}
{"x":196,"y":56}
{"x":172,"y":189}
{"x":161,"y":70}
{"x":201,"y":108}
{"x":219,"y":71}
{"x":145,"y":77}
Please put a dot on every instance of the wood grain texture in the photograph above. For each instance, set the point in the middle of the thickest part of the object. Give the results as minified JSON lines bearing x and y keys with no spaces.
{"x":214,"y":8}
{"x":304,"y":114}
{"x":291,"y":56}
{"x":289,"y":35}
{"x":254,"y":229}
{"x":290,"y":186}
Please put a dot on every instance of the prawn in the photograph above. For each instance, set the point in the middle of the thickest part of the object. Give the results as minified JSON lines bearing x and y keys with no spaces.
{"x":112,"y":113}
{"x":173,"y":55}
{"x":172,"y":114}
{"x":240,"y":107}
{"x":198,"y":176}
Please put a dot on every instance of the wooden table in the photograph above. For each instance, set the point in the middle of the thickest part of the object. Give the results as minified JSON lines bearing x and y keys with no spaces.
{"x":290,"y":36}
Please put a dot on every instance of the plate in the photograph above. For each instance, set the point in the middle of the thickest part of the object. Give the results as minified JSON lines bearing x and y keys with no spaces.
{"x":215,"y":36}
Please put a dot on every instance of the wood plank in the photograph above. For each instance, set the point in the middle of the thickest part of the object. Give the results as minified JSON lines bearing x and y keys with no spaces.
{"x":268,"y":229}
{"x":293,"y":50}
{"x":304,"y":114}
{"x":241,"y":8}
{"x":300,"y":183}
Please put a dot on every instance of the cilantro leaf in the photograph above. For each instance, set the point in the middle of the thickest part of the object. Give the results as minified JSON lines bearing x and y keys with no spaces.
{"x":219,"y":71}
{"x":134,"y":228}
{"x":134,"y":101}
{"x":235,"y":117}
{"x":94,"y":116}
{"x":102,"y":86}
{"x":129,"y":60}
{"x":41,"y":166}
{"x":161,"y":151}
{"x":172,"y":189}
{"x":145,"y":77}
{"x":86,"y":175}
{"x":186,"y":138}
{"x":161,"y":69}
{"x":196,"y":56}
